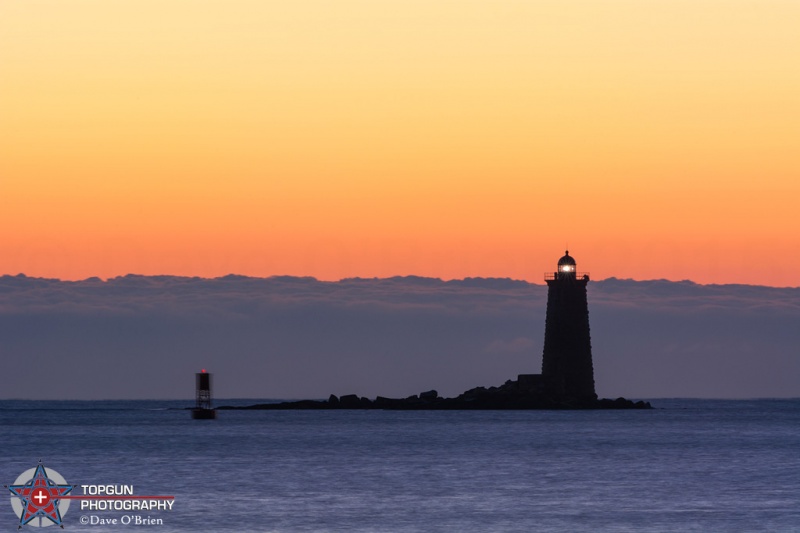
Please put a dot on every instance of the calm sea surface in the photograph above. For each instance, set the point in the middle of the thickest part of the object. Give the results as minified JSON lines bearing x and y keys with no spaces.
{"x":692,"y":465}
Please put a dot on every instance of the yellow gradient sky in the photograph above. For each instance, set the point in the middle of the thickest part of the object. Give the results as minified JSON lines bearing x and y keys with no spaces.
{"x":658,"y":139}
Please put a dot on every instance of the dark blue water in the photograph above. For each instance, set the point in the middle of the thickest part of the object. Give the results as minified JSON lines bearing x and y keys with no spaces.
{"x":695,"y":465}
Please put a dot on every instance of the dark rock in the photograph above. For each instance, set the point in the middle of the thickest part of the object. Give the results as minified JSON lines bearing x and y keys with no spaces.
{"x":384,"y":403}
{"x":349,"y":401}
{"x":429,"y":395}
{"x":473,"y":393}
{"x":333,"y":400}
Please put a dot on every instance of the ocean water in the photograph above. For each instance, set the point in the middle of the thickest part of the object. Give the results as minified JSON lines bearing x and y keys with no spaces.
{"x":691,"y":465}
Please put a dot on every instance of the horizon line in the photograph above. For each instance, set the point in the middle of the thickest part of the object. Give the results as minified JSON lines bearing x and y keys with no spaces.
{"x":367,"y":278}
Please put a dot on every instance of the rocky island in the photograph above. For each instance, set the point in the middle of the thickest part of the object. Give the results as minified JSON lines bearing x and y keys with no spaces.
{"x":506,"y":397}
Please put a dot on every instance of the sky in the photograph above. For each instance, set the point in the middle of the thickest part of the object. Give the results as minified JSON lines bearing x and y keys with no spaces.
{"x":437,"y":138}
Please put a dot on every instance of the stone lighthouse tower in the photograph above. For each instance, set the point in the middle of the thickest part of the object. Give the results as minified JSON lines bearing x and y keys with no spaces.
{"x":567,"y":359}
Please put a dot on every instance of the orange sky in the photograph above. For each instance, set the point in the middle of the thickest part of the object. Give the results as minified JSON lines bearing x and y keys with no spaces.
{"x":657,"y":139}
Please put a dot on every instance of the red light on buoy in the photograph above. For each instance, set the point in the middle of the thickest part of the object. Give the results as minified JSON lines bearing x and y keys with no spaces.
{"x":204,"y":371}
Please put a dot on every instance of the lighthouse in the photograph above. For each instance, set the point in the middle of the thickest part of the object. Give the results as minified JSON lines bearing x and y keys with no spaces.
{"x":567,"y":358}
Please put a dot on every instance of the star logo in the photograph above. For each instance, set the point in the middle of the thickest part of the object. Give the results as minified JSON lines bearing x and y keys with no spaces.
{"x":39,"y":494}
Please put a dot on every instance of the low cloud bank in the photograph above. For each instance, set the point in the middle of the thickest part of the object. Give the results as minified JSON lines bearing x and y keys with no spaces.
{"x":287,"y":337}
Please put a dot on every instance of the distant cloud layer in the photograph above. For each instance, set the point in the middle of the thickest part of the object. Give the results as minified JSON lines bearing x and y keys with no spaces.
{"x":284,"y":337}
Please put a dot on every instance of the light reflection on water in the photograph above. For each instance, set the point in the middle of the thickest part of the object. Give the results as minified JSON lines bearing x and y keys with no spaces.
{"x":696,"y":465}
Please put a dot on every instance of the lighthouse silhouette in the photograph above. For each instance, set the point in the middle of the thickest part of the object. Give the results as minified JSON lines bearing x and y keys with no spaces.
{"x":567,"y":358}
